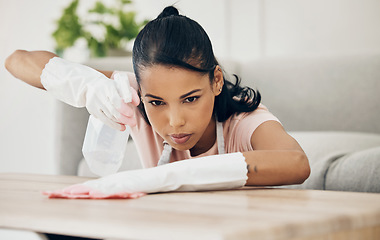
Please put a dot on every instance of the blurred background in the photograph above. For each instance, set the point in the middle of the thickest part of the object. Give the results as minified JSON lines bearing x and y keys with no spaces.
{"x":241,"y":30}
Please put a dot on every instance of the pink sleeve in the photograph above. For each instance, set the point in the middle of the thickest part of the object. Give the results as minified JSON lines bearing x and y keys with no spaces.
{"x":240,"y":128}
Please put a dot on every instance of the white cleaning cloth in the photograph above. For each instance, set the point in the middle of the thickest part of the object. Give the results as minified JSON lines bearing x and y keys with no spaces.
{"x":226,"y":171}
{"x":215,"y":172}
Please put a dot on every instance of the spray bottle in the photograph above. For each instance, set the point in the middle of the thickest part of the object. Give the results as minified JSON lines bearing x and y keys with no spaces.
{"x":104,"y":147}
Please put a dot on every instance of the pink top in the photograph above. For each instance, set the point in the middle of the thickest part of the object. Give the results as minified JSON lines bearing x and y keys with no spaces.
{"x":237,"y":131}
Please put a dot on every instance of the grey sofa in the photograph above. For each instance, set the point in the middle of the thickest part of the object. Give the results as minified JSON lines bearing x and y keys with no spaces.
{"x":329,"y":104}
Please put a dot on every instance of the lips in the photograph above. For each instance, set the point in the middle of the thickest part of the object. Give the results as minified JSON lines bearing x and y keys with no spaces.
{"x":180,"y":138}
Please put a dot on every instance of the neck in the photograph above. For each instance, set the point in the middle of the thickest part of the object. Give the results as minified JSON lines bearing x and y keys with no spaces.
{"x":207,"y":140}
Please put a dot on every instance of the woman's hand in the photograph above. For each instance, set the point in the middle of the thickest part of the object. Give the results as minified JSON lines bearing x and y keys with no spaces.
{"x":127,"y":184}
{"x":112,"y":101}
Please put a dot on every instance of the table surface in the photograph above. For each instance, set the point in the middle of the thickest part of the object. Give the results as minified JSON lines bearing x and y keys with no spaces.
{"x":247,"y":213}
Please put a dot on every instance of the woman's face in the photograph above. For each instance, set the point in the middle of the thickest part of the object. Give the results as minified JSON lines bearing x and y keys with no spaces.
{"x":179,"y":104}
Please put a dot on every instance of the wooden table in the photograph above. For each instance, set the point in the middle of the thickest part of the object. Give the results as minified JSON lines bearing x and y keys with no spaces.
{"x":248,"y":213}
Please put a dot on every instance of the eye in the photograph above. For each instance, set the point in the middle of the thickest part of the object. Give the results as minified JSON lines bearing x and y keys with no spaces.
{"x":156,"y":103}
{"x":191,"y":99}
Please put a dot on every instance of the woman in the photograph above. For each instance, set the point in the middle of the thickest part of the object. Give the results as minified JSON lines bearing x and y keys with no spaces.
{"x":187,"y":108}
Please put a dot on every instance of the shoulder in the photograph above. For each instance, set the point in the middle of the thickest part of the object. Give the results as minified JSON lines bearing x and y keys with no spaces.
{"x":239,"y":128}
{"x":250,"y":119}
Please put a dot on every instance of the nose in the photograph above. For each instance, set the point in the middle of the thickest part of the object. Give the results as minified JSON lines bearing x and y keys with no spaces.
{"x":176,"y":117}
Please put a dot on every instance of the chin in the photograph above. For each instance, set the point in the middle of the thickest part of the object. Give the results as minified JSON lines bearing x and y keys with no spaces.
{"x":182,"y":147}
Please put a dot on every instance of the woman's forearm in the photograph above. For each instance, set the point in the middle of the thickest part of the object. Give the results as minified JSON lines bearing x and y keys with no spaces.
{"x":28,"y":65}
{"x":271,"y":168}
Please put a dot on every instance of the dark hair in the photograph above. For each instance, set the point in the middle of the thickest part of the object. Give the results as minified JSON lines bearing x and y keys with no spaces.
{"x":176,"y":40}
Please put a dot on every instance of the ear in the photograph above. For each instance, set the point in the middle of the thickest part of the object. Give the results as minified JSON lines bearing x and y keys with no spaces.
{"x":218,"y":81}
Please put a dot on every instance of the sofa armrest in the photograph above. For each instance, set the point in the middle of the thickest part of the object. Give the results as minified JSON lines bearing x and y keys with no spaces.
{"x":330,"y":153}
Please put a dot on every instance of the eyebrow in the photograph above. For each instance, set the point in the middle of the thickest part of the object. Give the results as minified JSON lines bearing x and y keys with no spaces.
{"x":189,"y":93}
{"x":152,"y":96}
{"x":182,"y":96}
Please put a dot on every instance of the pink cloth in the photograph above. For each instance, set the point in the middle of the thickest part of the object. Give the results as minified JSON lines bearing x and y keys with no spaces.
{"x":79,"y":191}
{"x":237,"y":131}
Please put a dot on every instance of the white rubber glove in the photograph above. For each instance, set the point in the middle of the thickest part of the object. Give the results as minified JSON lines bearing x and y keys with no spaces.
{"x":217,"y":172}
{"x":82,"y":86}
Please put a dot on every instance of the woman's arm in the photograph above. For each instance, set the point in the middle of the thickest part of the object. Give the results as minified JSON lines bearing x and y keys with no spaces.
{"x":277,"y":160}
{"x":28,"y":65}
{"x":76,"y":85}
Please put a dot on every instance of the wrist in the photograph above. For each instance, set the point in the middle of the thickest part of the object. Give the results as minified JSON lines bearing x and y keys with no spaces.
{"x":68,"y":81}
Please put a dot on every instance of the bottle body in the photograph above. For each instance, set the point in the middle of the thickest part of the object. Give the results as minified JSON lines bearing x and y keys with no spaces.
{"x":104,"y":147}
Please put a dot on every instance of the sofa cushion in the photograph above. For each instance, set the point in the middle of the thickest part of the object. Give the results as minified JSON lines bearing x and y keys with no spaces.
{"x":358,"y":171}
{"x":325,"y":148}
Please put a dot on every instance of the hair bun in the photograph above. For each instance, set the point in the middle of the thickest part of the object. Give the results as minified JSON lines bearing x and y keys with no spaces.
{"x":169,"y":11}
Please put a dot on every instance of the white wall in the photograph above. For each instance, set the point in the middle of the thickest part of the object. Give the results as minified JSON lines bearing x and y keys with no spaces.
{"x":26,"y":118}
{"x":299,"y":27}
{"x":239,"y":29}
